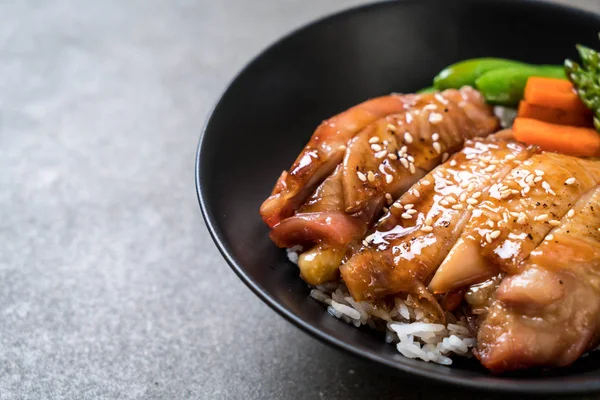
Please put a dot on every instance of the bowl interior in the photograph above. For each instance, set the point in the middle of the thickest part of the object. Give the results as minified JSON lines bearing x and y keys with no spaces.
{"x":270,"y":110}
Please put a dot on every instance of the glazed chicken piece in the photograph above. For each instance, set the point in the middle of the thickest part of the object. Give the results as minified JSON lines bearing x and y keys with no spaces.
{"x":322,"y":221}
{"x":514,"y":217}
{"x":411,"y":241}
{"x":327,"y":146}
{"x":380,"y":163}
{"x":548,"y":314}
{"x":323,"y":153}
{"x":412,"y":143}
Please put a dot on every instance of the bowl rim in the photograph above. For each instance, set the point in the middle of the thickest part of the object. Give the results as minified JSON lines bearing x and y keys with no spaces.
{"x":529,"y":385}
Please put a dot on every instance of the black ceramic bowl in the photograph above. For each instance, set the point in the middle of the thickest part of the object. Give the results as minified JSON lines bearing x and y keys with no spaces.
{"x":270,"y":110}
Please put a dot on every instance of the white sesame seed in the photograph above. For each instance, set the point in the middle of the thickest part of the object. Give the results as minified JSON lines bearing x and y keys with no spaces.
{"x":408,"y":137}
{"x":411,"y":211}
{"x":514,"y":214}
{"x":365,"y":243}
{"x":463,"y":196}
{"x":444,"y":202}
{"x":470,"y":156}
{"x":451,"y":199}
{"x":435,"y":137}
{"x":416,"y":193}
{"x":404,"y":162}
{"x":397,"y":205}
{"x":541,"y":217}
{"x":374,"y":139}
{"x":470,"y":207}
{"x":402,"y":151}
{"x":495,"y":234}
{"x":526,"y":189}
{"x":554,"y":222}
{"x":376,"y":147}
{"x":392,"y":156}
{"x":464,"y":185}
{"x":539,"y":172}
{"x":412,"y":168}
{"x":571,"y":213}
{"x":522,"y":219}
{"x":388,"y":197}
{"x":453,"y":163}
{"x":445,"y":157}
{"x":476,"y":195}
{"x":510,"y":157}
{"x":428,"y":221}
{"x":488,"y":238}
{"x":342,"y":147}
{"x":361,"y":176}
{"x":391,"y":127}
{"x":537,"y":179}
{"x":494,"y":162}
{"x":529,"y":179}
{"x":427,"y":228}
{"x":496,"y":175}
{"x":435,"y":118}
{"x":528,"y":162}
{"x":472,"y":201}
{"x":471,"y":187}
{"x":406,"y":216}
{"x":389,"y":179}
{"x":381,"y":154}
{"x":482,"y":164}
{"x":548,"y":189}
{"x":425,"y":182}
{"x":490,"y":168}
{"x":598,"y":229}
{"x":371,"y":176}
{"x":490,"y":223}
{"x":409,"y":206}
{"x":437,"y":147}
{"x":457,"y":207}
{"x":549,"y":237}
{"x":570,"y":181}
{"x":410,"y":158}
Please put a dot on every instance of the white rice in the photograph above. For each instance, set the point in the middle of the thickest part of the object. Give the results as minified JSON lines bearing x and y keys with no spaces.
{"x":405,"y":326}
{"x":292,"y":253}
{"x":505,"y":115}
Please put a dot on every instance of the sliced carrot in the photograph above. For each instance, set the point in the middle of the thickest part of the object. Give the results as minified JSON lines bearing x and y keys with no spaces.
{"x":550,"y":84}
{"x":575,"y":141}
{"x":554,"y":115}
{"x":553,"y":93}
{"x":568,"y":101}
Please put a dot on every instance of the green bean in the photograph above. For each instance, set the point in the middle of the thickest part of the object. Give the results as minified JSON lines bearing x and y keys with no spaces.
{"x":466,"y":72}
{"x":427,"y":90}
{"x":505,"y":86}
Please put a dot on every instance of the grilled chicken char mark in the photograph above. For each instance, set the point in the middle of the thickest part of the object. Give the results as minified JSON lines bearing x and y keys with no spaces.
{"x":411,"y":241}
{"x":514,"y":217}
{"x":548,"y":314}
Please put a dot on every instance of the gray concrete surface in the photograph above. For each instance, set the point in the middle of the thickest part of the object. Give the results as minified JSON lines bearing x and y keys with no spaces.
{"x":110,"y":284}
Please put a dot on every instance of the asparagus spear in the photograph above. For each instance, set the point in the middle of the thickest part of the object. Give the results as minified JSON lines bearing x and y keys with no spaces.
{"x":586,"y":79}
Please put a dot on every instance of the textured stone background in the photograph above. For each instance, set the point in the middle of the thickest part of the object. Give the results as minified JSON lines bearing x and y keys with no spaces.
{"x":111,"y":286}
